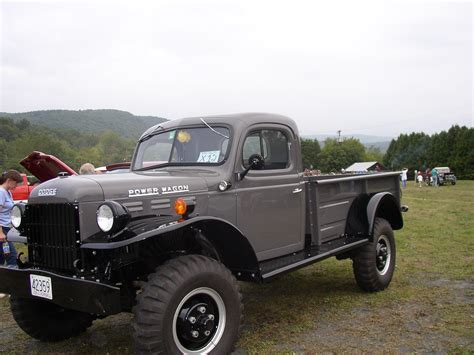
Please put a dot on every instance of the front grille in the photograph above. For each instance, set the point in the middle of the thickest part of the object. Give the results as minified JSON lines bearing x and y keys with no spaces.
{"x":53,"y":234}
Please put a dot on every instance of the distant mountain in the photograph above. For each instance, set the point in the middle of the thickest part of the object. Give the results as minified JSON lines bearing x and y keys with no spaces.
{"x":122,"y":122}
{"x":380,"y":142}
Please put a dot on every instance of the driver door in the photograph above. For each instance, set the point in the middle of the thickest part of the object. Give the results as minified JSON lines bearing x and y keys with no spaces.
{"x":270,"y":200}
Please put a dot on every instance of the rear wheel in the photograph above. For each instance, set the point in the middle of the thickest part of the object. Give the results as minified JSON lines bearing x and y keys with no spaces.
{"x":374,"y":263}
{"x":46,"y":321}
{"x":190,"y":305}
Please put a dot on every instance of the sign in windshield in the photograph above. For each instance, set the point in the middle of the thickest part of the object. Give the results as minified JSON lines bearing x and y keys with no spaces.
{"x":183,"y":146}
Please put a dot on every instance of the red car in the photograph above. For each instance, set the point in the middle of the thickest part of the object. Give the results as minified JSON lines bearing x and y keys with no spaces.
{"x":23,"y":189}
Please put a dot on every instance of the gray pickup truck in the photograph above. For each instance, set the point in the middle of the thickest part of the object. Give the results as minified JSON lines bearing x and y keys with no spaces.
{"x":207,"y":201}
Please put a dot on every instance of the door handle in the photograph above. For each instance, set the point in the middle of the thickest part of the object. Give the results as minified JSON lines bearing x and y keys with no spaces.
{"x":297,"y":190}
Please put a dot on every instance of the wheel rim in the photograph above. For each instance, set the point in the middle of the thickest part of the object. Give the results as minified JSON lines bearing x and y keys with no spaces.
{"x":383,"y":255}
{"x":199,"y":321}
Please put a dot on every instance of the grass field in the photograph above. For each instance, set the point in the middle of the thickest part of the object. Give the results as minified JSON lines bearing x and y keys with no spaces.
{"x":429,"y":306}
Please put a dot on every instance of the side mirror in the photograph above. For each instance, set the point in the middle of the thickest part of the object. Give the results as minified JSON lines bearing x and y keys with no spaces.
{"x":256,"y":162}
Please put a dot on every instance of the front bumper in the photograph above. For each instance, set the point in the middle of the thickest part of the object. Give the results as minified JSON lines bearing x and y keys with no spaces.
{"x":80,"y":295}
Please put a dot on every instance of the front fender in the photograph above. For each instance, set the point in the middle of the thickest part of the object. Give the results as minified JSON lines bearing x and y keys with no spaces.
{"x":233,"y":247}
{"x":384,"y":205}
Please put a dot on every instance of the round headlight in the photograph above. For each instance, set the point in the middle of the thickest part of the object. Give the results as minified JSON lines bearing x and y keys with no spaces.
{"x":105,"y":218}
{"x":112,"y":217}
{"x":17,"y":214}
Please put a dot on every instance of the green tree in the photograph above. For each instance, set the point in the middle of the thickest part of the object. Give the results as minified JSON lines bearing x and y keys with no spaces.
{"x":8,"y":130}
{"x":43,"y":142}
{"x":113,"y":148}
{"x":453,"y":148}
{"x":373,"y":154}
{"x":408,"y":151}
{"x":339,"y":155}
{"x":310,"y":150}
{"x":23,"y":124}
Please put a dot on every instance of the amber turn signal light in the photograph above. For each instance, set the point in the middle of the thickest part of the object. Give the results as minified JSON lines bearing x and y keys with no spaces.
{"x":180,"y":206}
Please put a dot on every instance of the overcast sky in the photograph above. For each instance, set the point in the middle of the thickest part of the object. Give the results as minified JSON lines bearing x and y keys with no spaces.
{"x":361,"y":67}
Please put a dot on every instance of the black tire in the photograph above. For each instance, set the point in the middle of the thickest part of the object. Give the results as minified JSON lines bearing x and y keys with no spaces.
{"x":46,"y":321}
{"x":371,"y":273}
{"x":187,"y":297}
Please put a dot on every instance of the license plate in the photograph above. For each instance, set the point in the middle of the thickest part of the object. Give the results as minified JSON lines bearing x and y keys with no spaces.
{"x":41,"y":286}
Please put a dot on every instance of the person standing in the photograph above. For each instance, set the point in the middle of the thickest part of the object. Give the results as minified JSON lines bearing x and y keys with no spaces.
{"x":420,"y":178}
{"x":8,"y":182}
{"x":428,"y":177}
{"x":404,"y":177}
{"x":434,"y":175}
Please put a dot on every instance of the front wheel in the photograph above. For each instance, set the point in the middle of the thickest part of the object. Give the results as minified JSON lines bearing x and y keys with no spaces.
{"x":190,"y":305}
{"x":374,"y":263}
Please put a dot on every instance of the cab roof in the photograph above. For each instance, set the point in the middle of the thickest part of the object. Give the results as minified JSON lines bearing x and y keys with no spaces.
{"x":237,"y":121}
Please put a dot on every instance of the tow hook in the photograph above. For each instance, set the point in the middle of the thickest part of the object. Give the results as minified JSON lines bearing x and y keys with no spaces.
{"x":21,"y":264}
{"x":404,"y":208}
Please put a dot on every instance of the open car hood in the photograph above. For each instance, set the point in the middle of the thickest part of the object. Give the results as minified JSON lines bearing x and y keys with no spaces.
{"x":44,"y":166}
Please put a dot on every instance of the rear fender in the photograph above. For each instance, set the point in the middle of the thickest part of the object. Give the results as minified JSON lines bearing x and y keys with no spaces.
{"x":384,"y":205}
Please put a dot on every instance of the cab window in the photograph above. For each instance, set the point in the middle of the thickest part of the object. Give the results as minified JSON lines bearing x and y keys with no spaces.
{"x":271,"y":144}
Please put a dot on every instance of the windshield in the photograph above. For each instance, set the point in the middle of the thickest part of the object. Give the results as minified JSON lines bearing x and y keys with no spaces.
{"x":183,"y":146}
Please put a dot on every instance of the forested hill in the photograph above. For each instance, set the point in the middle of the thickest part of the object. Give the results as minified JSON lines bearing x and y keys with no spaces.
{"x":90,"y":121}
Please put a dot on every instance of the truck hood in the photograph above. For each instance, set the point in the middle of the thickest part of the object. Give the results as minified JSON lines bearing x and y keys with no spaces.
{"x":142,"y":185}
{"x":125,"y":186}
{"x":44,"y":166}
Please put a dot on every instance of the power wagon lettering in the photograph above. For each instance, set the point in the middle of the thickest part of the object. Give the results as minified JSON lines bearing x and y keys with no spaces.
{"x":148,"y":191}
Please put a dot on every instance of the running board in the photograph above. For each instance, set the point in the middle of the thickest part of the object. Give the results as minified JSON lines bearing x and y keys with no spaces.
{"x":281,"y":265}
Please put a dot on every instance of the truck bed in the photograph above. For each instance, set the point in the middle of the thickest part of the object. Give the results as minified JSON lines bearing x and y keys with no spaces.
{"x":330,"y":197}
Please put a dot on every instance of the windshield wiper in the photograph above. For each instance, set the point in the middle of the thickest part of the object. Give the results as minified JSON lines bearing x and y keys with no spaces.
{"x":213,"y":130}
{"x":151,"y":134}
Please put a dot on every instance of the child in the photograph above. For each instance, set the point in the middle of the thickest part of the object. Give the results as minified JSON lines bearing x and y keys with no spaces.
{"x":420,"y":179}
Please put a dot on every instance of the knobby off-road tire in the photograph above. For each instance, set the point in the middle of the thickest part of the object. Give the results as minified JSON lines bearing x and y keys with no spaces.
{"x":46,"y":321}
{"x":374,"y":263}
{"x":190,"y":305}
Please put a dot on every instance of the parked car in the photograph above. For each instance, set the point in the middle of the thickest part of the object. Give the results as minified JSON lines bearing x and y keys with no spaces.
{"x":445,"y":176}
{"x":23,"y":189}
{"x":208,"y":201}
